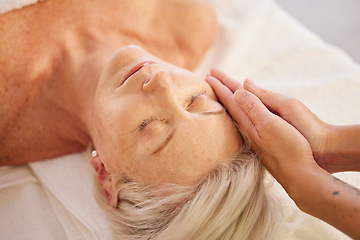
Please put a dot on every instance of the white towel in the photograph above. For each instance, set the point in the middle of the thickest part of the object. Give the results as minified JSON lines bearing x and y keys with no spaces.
{"x":25,"y":212}
{"x":68,"y":182}
{"x":9,"y":5}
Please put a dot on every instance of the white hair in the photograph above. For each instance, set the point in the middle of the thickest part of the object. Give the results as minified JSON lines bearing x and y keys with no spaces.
{"x":229,"y":203}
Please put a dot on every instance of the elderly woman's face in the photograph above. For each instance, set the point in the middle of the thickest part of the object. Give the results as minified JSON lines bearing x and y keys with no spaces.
{"x":158,"y":123}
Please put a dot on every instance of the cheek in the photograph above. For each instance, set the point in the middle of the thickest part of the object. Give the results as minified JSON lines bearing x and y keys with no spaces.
{"x":178,"y":165}
{"x":115,"y":114}
{"x":148,"y":171}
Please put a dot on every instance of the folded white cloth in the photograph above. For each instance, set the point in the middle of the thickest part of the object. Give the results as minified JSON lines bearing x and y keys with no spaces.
{"x":69,"y":184}
{"x":9,"y":5}
{"x":25,"y":211}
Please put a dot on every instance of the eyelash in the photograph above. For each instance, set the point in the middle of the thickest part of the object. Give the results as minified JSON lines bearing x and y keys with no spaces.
{"x":145,"y":123}
{"x":194,"y":97}
{"x":149,"y":120}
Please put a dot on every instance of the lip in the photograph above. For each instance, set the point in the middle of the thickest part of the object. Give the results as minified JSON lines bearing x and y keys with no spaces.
{"x":135,"y":69}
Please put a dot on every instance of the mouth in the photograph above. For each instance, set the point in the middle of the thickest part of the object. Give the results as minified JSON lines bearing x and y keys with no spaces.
{"x":135,"y":69}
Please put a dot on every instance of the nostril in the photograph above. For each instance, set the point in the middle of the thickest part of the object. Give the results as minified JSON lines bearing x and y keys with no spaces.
{"x":159,"y":79}
{"x":147,"y":80}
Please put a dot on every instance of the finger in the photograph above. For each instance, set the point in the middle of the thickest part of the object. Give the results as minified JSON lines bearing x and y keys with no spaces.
{"x":226,"y":97}
{"x":232,"y":84}
{"x":254,"y":109}
{"x":271,"y":99}
{"x":284,"y":106}
{"x":294,"y":112}
{"x":223,"y":93}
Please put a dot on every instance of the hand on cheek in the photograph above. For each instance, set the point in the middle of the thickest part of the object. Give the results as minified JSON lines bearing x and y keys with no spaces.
{"x":282,"y":148}
{"x":298,"y":115}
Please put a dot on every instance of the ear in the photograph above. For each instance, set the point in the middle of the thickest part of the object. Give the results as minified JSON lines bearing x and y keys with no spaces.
{"x":103,"y":177}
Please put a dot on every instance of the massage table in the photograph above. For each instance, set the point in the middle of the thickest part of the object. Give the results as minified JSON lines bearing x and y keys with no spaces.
{"x":54,"y":199}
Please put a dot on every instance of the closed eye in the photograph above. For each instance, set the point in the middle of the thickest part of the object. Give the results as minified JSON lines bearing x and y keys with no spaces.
{"x":195,"y":96}
{"x":146,"y":122}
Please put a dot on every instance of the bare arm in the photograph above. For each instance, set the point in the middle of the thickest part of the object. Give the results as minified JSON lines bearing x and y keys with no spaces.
{"x":343,"y":149}
{"x":288,"y":154}
{"x":322,"y":195}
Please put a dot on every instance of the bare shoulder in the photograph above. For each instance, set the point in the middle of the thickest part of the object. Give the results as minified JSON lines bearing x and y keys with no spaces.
{"x":29,"y":52}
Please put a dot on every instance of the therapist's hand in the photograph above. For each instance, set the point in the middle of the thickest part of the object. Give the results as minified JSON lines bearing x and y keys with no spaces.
{"x":298,"y":115}
{"x":284,"y":151}
{"x":318,"y":133}
{"x":335,"y":148}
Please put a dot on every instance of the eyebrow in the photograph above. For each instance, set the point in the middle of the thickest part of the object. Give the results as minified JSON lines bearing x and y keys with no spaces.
{"x":167,"y":140}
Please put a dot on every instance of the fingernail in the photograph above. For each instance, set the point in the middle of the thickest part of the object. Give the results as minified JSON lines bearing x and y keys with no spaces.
{"x":209,"y":77}
{"x":239,"y":95}
{"x":250,"y":82}
{"x":214,"y":70}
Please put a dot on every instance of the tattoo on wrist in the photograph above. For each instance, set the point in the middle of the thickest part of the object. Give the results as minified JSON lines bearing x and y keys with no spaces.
{"x":348,"y":187}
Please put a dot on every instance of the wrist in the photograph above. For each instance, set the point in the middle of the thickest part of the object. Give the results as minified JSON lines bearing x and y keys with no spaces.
{"x":304,"y":185}
{"x":334,"y":141}
{"x":342,"y":149}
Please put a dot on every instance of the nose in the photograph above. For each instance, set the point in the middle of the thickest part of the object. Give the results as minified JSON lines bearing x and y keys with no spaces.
{"x":159,"y":80}
{"x":160,"y":85}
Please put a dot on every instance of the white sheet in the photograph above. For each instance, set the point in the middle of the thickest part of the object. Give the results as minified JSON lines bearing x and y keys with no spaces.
{"x":25,"y":212}
{"x":9,"y":5}
{"x":256,"y":39}
{"x":73,"y":203}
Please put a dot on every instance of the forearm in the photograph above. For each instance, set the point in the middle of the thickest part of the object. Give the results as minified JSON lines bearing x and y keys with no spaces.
{"x":321,"y":195}
{"x":343,"y":149}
